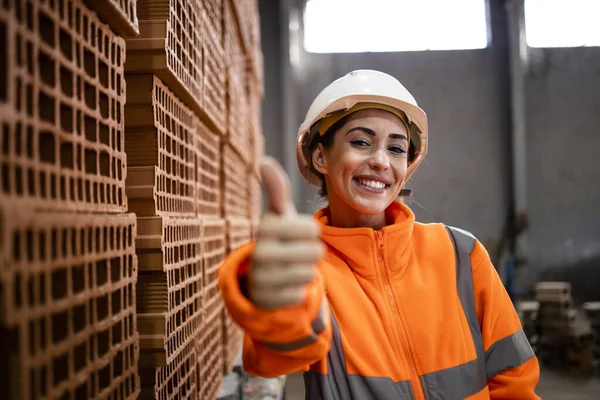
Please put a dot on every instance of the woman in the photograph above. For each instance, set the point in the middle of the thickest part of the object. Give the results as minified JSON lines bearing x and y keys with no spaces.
{"x":367,"y":302}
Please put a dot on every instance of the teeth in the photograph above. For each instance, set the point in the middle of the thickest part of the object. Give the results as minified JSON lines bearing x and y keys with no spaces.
{"x":373,"y":184}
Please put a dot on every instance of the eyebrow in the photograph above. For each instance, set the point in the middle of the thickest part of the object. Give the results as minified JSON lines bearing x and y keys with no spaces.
{"x":372,"y":133}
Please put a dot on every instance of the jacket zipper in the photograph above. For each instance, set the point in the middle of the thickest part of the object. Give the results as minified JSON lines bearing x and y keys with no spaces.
{"x":415,"y":381}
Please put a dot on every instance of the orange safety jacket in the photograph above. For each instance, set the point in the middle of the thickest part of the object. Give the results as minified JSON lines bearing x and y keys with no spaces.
{"x":413,"y":311}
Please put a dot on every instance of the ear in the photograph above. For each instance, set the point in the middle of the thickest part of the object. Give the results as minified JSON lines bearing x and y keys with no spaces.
{"x":318,"y":159}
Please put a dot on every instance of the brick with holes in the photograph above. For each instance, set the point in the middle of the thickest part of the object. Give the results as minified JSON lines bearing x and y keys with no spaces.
{"x":121,"y":15}
{"x":214,"y":249}
{"x":235,"y":189}
{"x":208,"y":173}
{"x":68,"y":304}
{"x":170,"y":45}
{"x":62,"y":95}
{"x":175,"y":381}
{"x":210,"y":357}
{"x":213,"y":90}
{"x":170,"y":308}
{"x":161,"y":150}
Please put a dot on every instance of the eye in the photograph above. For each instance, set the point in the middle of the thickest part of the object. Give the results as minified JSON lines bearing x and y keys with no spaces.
{"x":359,"y":142}
{"x":397,"y":149}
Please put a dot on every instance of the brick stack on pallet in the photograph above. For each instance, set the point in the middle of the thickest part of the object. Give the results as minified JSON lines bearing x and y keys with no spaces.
{"x":592,"y":311}
{"x":191,"y":128}
{"x":528,"y":313}
{"x":67,"y":281}
{"x":566,"y":338}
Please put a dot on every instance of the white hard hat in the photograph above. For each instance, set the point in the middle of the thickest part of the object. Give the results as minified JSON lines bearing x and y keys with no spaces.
{"x":362,"y":86}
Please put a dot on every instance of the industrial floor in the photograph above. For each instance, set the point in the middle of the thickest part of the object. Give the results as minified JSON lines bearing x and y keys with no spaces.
{"x":552,"y":386}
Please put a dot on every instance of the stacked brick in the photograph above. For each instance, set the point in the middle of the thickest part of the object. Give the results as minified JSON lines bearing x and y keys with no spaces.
{"x":191,"y":121}
{"x":69,"y":268}
{"x":592,"y":311}
{"x":528,"y":313}
{"x":566,"y":337}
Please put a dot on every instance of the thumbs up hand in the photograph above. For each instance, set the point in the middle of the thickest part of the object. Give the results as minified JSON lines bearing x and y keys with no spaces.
{"x":287,"y":246}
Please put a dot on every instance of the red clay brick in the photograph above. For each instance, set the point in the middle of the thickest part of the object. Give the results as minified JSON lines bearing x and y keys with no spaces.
{"x":68,"y":304}
{"x":235,"y":56}
{"x":61,"y":108}
{"x":170,"y":284}
{"x":170,"y":45}
{"x":121,"y":15}
{"x":209,"y":347}
{"x":213,"y":11}
{"x":213,"y":253}
{"x":234,"y":183}
{"x":233,"y":338}
{"x":176,"y":381}
{"x":238,"y":126}
{"x":161,"y":150}
{"x":208,"y":176}
{"x":214,"y":76}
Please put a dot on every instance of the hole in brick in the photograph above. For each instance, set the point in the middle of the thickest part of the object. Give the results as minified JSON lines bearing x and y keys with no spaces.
{"x":53,"y":186}
{"x":29,"y":247}
{"x":104,"y":164}
{"x":72,"y":189}
{"x":103,"y":74}
{"x":47,"y":108}
{"x":101,"y":187}
{"x":90,"y":128}
{"x":103,"y":105}
{"x":118,"y":365}
{"x":116,"y":302}
{"x":90,"y":95}
{"x":102,"y":307}
{"x":117,"y":333}
{"x":66,"y":155}
{"x":98,"y":236}
{"x":3,"y":69}
{"x":104,"y":377}
{"x":29,"y":100}
{"x":89,"y":63}
{"x":60,"y":327}
{"x":115,"y":269}
{"x":130,"y":262}
{"x":59,"y":283}
{"x":113,"y":51}
{"x":66,"y":118}
{"x":130,"y":324}
{"x":65,"y":244}
{"x":78,"y":278}
{"x":103,"y":343}
{"x":60,"y":369}
{"x":42,"y":246}
{"x":66,"y":81}
{"x":47,"y":144}
{"x":47,"y":69}
{"x":42,"y":331}
{"x":85,"y":28}
{"x":90,"y":161}
{"x":17,"y":291}
{"x":66,"y":44}
{"x":93,"y":34}
{"x":78,"y":88}
{"x":79,"y":318}
{"x":104,"y":134}
{"x":46,"y":27}
{"x":19,"y":180}
{"x":29,"y":57}
{"x":5,"y":179}
{"x":101,"y":272}
{"x":79,"y":188}
{"x":118,"y":84}
{"x":81,"y":392}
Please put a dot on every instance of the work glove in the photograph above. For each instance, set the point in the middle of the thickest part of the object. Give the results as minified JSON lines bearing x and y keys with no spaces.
{"x":287,"y":245}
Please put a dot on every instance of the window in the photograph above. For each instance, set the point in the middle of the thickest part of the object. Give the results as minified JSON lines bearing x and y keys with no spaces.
{"x":562,"y":23}
{"x":354,"y":26}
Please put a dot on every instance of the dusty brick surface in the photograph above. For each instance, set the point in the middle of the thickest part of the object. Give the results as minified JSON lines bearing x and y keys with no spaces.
{"x":170,"y":285}
{"x":68,"y":304}
{"x":61,"y":108}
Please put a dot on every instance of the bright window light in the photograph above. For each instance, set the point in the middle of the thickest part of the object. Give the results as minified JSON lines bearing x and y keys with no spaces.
{"x":562,"y":23}
{"x":356,"y":26}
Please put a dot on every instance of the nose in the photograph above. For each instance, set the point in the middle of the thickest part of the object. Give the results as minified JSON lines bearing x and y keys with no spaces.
{"x":380,"y":160}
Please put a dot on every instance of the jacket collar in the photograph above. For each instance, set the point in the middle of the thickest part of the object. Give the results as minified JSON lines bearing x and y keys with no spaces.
{"x":367,"y":251}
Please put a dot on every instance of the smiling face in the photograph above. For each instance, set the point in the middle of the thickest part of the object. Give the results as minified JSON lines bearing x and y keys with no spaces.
{"x":365,"y":167}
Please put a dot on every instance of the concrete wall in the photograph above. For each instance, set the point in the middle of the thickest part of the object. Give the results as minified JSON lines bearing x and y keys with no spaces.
{"x":564,"y":167}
